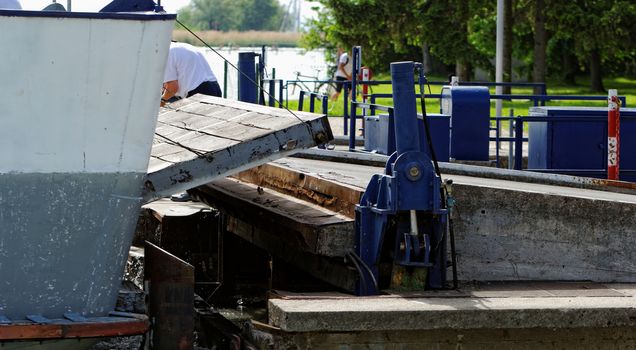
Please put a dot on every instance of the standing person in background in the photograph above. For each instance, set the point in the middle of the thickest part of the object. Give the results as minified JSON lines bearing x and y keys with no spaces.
{"x":187,"y":73}
{"x":343,"y":73}
{"x":10,"y":5}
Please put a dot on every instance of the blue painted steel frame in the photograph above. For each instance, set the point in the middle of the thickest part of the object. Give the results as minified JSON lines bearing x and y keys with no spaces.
{"x":247,"y":87}
{"x":408,"y":184}
{"x":558,"y":151}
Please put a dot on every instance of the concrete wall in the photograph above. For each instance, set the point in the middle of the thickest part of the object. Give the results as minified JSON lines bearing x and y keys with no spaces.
{"x":527,"y":234}
{"x":509,"y":339}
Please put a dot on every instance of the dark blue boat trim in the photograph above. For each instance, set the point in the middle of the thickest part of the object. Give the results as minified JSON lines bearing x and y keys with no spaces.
{"x":139,"y":16}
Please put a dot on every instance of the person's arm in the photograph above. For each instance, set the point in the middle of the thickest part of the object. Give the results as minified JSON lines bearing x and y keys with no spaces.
{"x":170,"y":89}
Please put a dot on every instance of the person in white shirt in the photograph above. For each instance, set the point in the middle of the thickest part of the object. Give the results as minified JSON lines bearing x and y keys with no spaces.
{"x":188,"y":73}
{"x":10,"y":5}
{"x":343,"y":73}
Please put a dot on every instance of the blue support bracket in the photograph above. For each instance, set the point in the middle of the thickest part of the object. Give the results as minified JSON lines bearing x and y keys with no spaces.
{"x":75,"y":317}
{"x":38,"y":319}
{"x":404,"y":204}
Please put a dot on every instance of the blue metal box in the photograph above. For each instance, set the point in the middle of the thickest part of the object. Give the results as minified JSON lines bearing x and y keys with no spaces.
{"x":469,"y":108}
{"x":575,"y":142}
{"x":379,"y":134}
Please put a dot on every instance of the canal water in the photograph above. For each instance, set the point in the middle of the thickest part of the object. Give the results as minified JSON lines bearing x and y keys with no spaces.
{"x":285,"y":61}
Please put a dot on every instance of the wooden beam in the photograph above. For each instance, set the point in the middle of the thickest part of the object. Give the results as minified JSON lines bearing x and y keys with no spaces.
{"x":305,"y":185}
{"x":303,"y":226}
{"x":332,"y":270}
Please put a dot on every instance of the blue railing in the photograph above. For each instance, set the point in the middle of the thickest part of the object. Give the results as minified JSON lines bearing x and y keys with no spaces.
{"x":518,"y":140}
{"x":271,"y":84}
{"x":313,"y":96}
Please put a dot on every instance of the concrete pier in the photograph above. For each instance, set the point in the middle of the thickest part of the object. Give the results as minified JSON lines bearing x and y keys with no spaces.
{"x":496,"y":316}
{"x":554,"y":263}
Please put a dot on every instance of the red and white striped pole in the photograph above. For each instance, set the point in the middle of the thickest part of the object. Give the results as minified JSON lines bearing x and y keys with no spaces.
{"x":613,"y":135}
{"x":366,"y":76}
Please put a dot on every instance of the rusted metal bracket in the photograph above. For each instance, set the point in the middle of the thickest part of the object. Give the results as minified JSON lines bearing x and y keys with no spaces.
{"x":170,"y":285}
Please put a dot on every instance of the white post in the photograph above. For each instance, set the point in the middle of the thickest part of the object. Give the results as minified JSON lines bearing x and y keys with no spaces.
{"x":499,"y":54}
{"x":68,"y":5}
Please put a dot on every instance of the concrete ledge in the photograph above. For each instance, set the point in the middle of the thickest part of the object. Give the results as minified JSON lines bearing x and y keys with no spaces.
{"x":508,"y":339}
{"x":390,"y":313}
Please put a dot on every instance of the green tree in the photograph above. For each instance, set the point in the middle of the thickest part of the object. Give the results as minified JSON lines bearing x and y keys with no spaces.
{"x":602,"y":33}
{"x":228,"y":15}
{"x":221,"y":15}
{"x":261,"y":14}
{"x":399,"y":30}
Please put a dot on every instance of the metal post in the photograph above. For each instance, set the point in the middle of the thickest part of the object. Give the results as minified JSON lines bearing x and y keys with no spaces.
{"x":352,"y":125}
{"x":518,"y":143}
{"x":225,"y":66}
{"x":372,"y":101}
{"x":497,"y":144}
{"x":345,"y":116}
{"x":312,"y":102}
{"x":405,"y":111}
{"x":499,"y":55}
{"x":511,"y":133}
{"x":301,"y":100}
{"x":272,"y":89}
{"x":280,"y":94}
{"x":325,"y":106}
{"x":357,"y":57}
{"x":261,"y":76}
{"x":247,"y":87}
{"x":613,"y":135}
{"x":272,"y":92}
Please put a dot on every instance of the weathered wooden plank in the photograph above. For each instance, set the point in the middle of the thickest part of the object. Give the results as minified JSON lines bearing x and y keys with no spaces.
{"x":305,"y":227}
{"x":203,"y":137}
{"x":207,"y":109}
{"x":192,"y":122}
{"x":276,"y":112}
{"x":305,"y":185}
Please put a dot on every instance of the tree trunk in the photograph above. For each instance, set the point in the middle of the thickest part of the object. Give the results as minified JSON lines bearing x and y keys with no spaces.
{"x":596,"y":76}
{"x":507,"y":45}
{"x":540,"y":45}
{"x":462,"y":70}
{"x":569,"y":64}
{"x":426,"y":58}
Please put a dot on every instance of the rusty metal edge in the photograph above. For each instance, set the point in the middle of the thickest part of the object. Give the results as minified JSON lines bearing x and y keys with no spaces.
{"x":94,"y":327}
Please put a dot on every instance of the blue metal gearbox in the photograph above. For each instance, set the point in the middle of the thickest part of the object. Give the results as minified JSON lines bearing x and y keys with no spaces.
{"x":404,"y":204}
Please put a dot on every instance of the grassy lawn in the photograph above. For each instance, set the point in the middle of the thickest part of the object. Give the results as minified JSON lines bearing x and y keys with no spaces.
{"x":626,"y":87}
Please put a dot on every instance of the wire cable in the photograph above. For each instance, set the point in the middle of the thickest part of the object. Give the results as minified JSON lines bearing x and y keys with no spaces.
{"x":366,"y":267}
{"x":363,"y":280}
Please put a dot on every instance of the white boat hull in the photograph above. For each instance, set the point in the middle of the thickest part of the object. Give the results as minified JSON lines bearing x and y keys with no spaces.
{"x":77,"y":119}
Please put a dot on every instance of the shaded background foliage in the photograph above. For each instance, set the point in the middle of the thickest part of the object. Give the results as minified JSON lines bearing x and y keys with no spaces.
{"x":547,"y":38}
{"x":226,"y":15}
{"x":595,"y":37}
